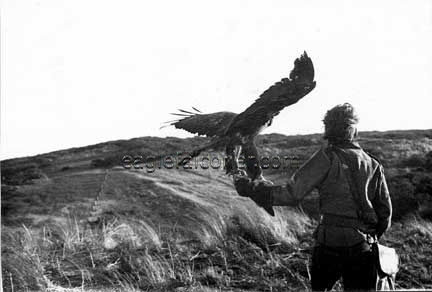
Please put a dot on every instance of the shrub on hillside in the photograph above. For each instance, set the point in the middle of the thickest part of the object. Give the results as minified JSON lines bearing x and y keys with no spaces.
{"x":107,"y":162}
{"x":21,"y":174}
{"x":424,"y":186}
{"x":292,"y":142}
{"x":414,"y":160}
{"x":428,"y":162}
{"x":419,"y":161}
{"x":402,"y":193}
{"x":410,"y":193}
{"x":42,"y":161}
{"x":64,"y":168}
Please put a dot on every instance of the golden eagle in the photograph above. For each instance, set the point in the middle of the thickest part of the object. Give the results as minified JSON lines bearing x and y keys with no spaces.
{"x":237,"y":132}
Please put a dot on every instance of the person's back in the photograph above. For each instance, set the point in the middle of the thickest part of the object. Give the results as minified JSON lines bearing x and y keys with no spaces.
{"x":338,"y":206}
{"x":354,"y":203}
{"x":341,"y":247}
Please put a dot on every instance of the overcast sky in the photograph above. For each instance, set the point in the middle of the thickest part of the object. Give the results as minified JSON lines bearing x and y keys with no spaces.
{"x":76,"y":73}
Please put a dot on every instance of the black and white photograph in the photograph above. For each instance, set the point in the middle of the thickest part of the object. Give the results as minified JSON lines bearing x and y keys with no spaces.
{"x":216,"y":146}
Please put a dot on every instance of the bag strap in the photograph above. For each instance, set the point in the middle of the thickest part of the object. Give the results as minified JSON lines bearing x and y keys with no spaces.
{"x":350,"y":178}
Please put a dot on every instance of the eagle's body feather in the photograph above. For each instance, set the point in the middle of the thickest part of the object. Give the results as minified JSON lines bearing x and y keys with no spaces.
{"x":210,"y":125}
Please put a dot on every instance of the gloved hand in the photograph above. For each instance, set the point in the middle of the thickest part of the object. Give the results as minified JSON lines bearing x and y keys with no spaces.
{"x":369,"y":220}
{"x":242,"y":183}
{"x":259,"y":191}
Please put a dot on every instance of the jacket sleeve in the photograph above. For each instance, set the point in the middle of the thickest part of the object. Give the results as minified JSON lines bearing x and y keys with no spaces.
{"x":382,"y":204}
{"x":303,"y":181}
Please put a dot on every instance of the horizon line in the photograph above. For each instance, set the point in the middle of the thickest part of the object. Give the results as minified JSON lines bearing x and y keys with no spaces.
{"x":195,"y":136}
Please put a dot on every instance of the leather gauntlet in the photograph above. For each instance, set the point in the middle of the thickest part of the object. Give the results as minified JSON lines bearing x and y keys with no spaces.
{"x":259,"y":191}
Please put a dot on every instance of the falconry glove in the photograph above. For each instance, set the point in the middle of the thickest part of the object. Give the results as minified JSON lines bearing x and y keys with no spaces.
{"x":259,"y":191}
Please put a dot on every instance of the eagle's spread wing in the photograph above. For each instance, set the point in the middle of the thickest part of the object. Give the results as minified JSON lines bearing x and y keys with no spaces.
{"x":284,"y":93}
{"x":211,"y":125}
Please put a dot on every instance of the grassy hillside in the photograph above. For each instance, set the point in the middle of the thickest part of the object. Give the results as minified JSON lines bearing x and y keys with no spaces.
{"x":77,"y":218}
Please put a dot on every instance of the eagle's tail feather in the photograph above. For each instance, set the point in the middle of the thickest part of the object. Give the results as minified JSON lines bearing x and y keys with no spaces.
{"x":187,"y":112}
{"x":182,"y":113}
{"x":197,"y":110}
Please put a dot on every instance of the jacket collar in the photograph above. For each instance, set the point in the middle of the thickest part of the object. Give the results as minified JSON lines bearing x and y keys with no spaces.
{"x":348,"y":145}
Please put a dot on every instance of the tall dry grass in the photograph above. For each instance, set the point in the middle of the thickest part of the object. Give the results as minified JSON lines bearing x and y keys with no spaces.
{"x":250,"y":254}
{"x":242,"y":251}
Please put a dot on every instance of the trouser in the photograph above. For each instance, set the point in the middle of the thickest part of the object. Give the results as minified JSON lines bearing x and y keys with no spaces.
{"x":354,"y":264}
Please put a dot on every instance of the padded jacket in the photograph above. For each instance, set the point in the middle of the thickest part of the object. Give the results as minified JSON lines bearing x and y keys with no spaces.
{"x":326,"y":171}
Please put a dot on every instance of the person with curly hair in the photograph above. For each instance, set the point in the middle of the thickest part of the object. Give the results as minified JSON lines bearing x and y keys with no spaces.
{"x":354,"y":203}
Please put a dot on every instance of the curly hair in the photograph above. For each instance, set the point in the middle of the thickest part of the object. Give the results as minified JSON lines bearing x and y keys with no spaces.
{"x":340,"y":124}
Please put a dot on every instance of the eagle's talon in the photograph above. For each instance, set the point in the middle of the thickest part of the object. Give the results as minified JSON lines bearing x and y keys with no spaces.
{"x":240,"y":172}
{"x":261,"y":178}
{"x":237,"y":172}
